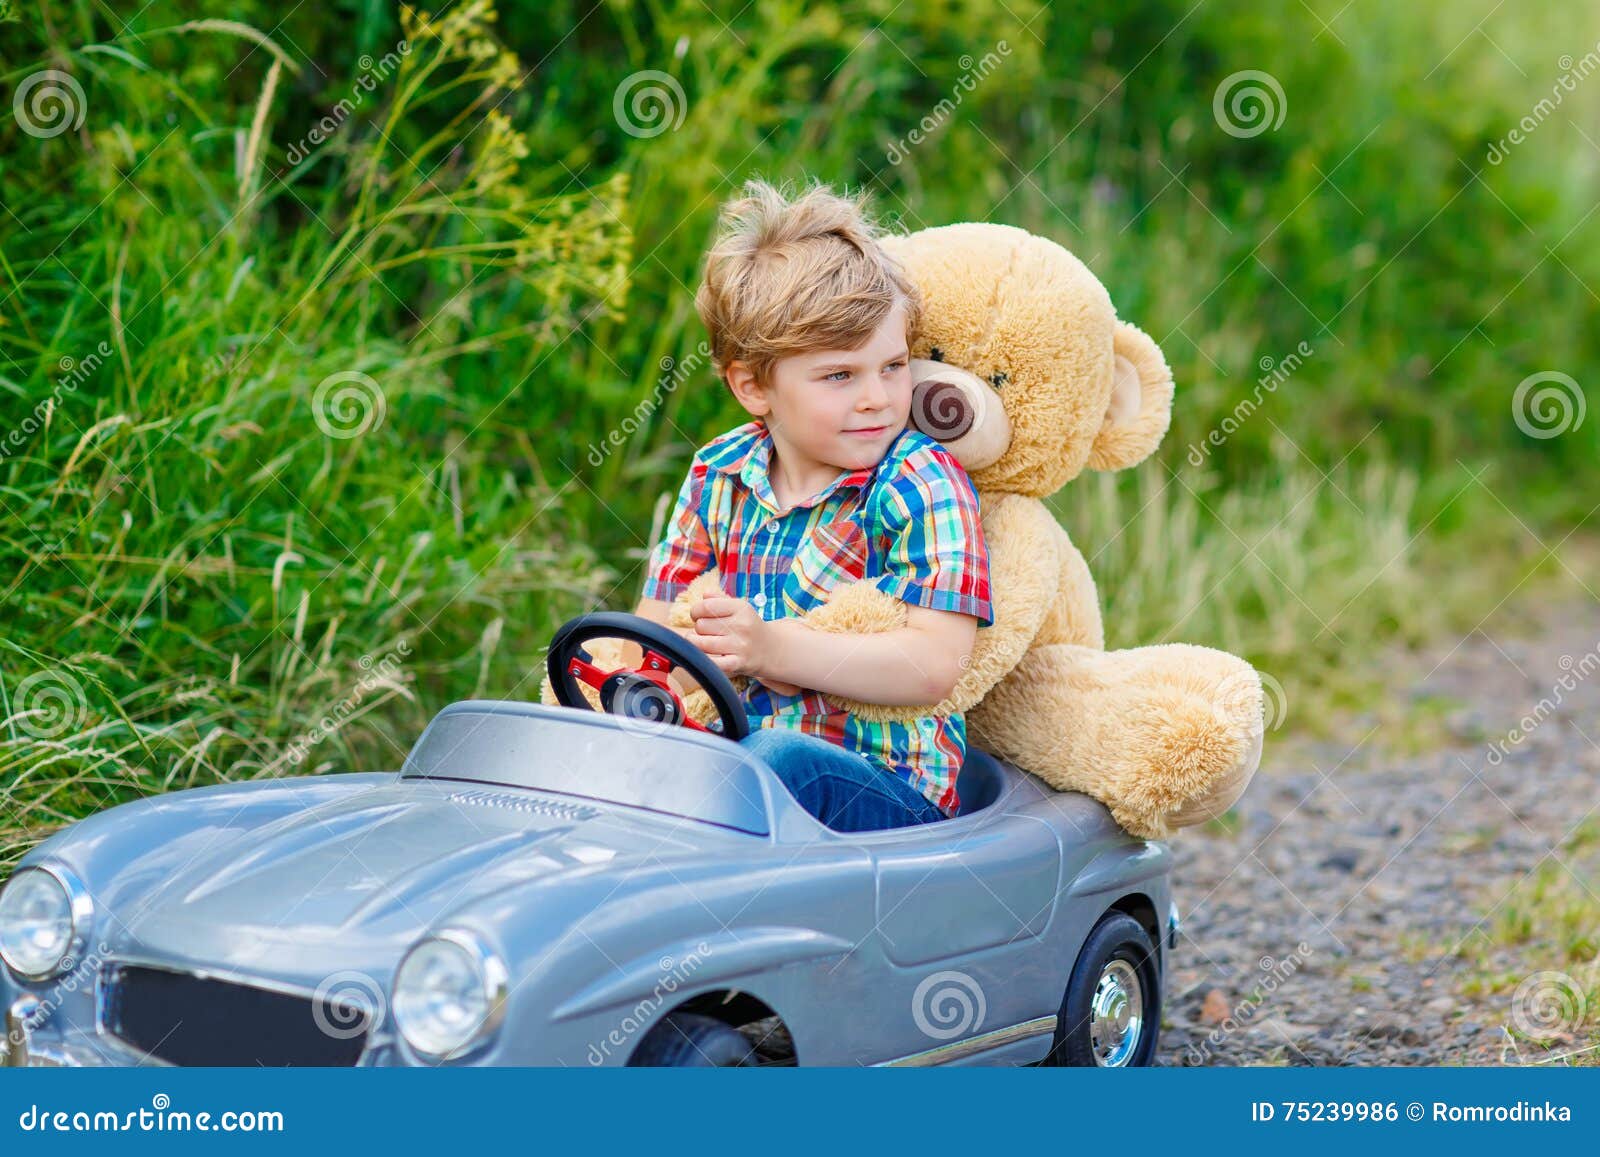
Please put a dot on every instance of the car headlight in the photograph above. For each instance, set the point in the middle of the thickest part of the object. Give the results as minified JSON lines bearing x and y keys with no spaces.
{"x":44,"y":913}
{"x":449,"y":994}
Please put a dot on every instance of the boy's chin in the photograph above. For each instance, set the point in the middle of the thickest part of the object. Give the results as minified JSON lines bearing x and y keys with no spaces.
{"x":861,"y":453}
{"x":855,"y":451}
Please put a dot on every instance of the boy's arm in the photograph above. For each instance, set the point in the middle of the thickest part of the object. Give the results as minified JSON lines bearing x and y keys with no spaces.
{"x":914,"y":664}
{"x":656,"y":610}
{"x":918,"y":663}
{"x":935,"y":562}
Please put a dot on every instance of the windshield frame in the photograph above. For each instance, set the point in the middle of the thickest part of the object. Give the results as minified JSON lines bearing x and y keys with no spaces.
{"x":634,"y":763}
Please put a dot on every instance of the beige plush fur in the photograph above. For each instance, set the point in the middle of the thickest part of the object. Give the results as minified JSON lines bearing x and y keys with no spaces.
{"x":1165,"y":736}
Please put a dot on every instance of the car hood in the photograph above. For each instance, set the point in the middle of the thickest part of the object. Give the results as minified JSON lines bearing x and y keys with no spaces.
{"x":379,"y":866}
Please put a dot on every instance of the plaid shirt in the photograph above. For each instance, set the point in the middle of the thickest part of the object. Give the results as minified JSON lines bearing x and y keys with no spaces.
{"x":909,"y":526}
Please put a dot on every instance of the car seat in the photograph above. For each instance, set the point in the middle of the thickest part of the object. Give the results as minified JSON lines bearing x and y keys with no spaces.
{"x":979,"y":783}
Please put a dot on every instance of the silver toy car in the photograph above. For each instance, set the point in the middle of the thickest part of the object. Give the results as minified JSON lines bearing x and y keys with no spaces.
{"x":554,"y":886}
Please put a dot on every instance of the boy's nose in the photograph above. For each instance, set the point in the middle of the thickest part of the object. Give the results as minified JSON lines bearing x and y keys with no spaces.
{"x":874,"y":396}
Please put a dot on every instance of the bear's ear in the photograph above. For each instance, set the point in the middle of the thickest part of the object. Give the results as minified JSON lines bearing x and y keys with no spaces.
{"x":1141,"y":402}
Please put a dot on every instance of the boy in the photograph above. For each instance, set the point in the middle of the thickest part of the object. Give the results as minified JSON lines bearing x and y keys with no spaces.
{"x":808,"y":321}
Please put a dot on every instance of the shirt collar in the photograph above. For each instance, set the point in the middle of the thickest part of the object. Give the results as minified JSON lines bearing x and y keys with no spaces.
{"x":752,"y":469}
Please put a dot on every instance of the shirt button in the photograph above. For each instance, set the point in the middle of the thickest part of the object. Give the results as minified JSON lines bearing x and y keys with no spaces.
{"x":758,"y":600}
{"x":772,"y":526}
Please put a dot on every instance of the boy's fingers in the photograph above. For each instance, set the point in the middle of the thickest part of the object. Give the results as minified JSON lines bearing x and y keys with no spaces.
{"x":714,"y":607}
{"x":716,"y":644}
{"x":716,"y":626}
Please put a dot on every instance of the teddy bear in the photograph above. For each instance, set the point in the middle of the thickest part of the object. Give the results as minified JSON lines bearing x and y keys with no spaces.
{"x":1023,"y":371}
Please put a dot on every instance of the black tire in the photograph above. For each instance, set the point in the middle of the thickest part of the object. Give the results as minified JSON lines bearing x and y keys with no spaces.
{"x":1119,"y":956}
{"x":689,"y":1040}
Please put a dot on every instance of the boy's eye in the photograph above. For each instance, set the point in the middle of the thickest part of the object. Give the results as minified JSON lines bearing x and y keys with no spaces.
{"x":836,"y":376}
{"x":895,"y":365}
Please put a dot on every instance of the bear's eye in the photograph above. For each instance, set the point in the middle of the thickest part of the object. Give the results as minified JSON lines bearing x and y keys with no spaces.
{"x":936,"y":354}
{"x":997,"y":380}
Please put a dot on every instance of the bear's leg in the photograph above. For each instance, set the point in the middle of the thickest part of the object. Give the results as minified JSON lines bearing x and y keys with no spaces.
{"x":1165,"y":736}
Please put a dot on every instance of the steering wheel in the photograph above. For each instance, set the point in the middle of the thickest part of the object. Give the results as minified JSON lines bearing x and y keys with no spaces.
{"x":642,"y":693}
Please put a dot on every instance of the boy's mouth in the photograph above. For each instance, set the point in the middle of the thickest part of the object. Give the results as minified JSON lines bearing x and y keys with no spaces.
{"x":868,"y":431}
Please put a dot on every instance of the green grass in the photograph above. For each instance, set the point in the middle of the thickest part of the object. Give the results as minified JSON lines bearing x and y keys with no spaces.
{"x":1539,"y":954}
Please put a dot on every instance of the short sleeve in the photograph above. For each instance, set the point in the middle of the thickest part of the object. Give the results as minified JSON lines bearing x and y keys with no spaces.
{"x":684,"y":552}
{"x":933,"y":554}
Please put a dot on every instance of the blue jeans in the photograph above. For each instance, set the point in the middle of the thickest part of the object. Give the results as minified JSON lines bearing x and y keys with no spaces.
{"x":838,"y":786}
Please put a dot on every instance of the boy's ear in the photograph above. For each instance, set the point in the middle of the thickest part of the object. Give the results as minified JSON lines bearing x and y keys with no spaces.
{"x":1141,"y":402}
{"x":742,"y":382}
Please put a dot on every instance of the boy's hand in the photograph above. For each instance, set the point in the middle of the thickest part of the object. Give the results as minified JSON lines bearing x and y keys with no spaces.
{"x":733,"y":634}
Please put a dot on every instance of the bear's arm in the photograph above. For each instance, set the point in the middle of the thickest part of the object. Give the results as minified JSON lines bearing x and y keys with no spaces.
{"x":1024,"y":568}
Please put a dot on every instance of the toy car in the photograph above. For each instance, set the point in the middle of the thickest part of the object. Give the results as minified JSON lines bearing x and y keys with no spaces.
{"x":547,"y":885}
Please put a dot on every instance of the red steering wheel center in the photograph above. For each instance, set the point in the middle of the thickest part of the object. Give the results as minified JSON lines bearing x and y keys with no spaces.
{"x":654,"y":669}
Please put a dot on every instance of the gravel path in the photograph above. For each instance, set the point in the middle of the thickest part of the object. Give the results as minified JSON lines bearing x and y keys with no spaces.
{"x":1324,"y":929}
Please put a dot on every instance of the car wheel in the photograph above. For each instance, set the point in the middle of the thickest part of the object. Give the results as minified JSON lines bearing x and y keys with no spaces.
{"x":1111,"y":1014}
{"x":687,"y":1039}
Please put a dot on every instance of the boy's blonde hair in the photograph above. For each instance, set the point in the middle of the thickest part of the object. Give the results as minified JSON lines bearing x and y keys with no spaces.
{"x":790,"y":275}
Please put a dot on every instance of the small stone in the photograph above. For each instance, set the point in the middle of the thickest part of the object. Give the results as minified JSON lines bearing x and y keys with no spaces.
{"x":1277,"y":1026}
{"x":1214,"y":1009}
{"x":1342,"y":860}
{"x":1394,"y":1028}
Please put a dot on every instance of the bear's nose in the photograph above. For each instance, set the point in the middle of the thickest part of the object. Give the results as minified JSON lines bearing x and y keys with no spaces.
{"x":942,"y":410}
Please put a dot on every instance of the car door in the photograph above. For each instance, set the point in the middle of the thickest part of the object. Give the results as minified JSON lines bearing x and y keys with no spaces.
{"x":947,"y":894}
{"x":960,"y":923}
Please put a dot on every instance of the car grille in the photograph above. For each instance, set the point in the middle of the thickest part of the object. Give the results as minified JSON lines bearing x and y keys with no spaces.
{"x":192,"y":1020}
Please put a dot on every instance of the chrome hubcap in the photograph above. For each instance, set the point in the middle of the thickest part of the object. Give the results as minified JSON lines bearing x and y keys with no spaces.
{"x":1116,"y":1015}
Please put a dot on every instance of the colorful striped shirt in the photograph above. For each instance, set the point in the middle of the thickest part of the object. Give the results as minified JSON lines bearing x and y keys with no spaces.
{"x":909,"y":526}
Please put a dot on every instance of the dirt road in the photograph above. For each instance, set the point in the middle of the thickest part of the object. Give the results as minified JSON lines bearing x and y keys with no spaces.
{"x":1374,"y":909}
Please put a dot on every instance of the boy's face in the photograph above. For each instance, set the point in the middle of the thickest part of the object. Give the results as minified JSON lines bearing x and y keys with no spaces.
{"x":839,"y":408}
